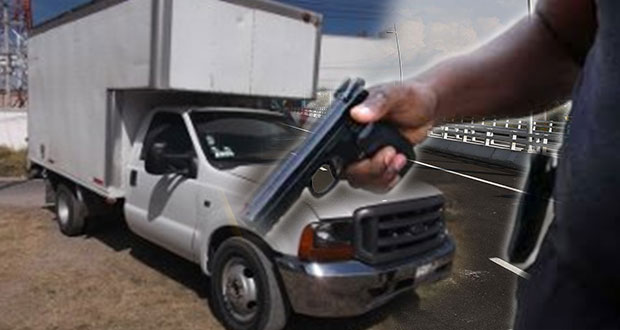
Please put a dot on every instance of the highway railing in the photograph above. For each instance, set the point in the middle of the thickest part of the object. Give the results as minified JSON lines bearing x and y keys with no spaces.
{"x":510,"y":134}
{"x":315,"y":113}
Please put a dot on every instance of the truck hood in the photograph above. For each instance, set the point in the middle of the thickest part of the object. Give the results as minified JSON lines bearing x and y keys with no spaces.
{"x":343,"y":200}
{"x":253,"y":173}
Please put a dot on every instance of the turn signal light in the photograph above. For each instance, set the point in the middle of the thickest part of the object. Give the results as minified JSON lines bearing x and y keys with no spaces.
{"x":327,"y":241}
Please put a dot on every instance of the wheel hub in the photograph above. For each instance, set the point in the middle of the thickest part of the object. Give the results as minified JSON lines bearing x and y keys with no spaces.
{"x":239,"y":290}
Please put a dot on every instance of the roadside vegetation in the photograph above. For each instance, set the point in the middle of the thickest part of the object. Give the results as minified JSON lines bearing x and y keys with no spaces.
{"x":12,"y":162}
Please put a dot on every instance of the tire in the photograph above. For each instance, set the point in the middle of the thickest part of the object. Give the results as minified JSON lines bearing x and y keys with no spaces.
{"x":70,"y":212}
{"x":245,"y":292}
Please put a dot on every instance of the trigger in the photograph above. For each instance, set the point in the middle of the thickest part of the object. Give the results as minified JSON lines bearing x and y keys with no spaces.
{"x":337,"y":165}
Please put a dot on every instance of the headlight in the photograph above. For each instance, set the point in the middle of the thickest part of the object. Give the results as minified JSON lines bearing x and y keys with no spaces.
{"x":328,"y":240}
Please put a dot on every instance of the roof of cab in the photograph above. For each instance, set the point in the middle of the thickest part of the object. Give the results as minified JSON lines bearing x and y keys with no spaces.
{"x":220,"y":109}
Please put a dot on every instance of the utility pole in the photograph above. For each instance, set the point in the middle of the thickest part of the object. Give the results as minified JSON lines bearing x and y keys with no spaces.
{"x":400,"y":59}
{"x":6,"y":54}
{"x":530,"y":148}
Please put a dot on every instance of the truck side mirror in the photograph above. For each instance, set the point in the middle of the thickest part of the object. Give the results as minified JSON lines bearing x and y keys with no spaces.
{"x":158,"y":162}
{"x":155,"y":162}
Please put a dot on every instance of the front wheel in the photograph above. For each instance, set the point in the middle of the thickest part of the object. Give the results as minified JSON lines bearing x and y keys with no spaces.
{"x":244,"y":288}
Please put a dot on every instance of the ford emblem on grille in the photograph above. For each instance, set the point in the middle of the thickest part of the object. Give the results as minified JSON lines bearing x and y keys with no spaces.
{"x":394,"y":231}
{"x":417,"y":229}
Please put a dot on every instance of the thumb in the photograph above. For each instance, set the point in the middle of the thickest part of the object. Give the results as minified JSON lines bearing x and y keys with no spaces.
{"x":373,"y":108}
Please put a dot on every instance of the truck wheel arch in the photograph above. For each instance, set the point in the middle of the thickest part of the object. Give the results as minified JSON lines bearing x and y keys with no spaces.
{"x":55,"y":179}
{"x":223,"y":233}
{"x":95,"y":204}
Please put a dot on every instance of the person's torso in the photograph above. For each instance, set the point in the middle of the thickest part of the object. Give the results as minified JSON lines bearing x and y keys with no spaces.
{"x":588,"y":180}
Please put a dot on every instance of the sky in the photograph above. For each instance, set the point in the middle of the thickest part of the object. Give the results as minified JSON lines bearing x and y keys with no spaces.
{"x":349,"y":17}
{"x":45,"y":9}
{"x":369,"y":17}
{"x":431,"y":29}
{"x":428,"y":31}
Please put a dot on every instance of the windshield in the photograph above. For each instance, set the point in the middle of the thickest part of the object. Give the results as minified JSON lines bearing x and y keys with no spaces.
{"x":233,"y":139}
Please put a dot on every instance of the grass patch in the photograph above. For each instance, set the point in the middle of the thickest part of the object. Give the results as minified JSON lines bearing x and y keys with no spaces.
{"x":12,"y":162}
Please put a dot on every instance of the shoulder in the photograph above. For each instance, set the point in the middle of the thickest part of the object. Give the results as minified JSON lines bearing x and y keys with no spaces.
{"x":573,"y":23}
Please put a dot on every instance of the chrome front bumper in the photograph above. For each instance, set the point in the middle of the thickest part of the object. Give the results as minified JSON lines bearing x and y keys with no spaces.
{"x":350,"y":288}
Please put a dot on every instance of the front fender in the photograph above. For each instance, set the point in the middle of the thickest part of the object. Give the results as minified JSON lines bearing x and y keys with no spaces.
{"x":225,"y":210}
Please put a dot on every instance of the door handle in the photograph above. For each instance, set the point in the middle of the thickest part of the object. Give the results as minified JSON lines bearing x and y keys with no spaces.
{"x":133,"y":178}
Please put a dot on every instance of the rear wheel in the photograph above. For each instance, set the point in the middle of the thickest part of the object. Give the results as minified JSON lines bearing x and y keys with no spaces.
{"x":244,"y":290}
{"x":70,"y":211}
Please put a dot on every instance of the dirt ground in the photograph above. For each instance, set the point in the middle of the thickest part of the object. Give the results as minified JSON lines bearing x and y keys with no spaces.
{"x":113,"y":279}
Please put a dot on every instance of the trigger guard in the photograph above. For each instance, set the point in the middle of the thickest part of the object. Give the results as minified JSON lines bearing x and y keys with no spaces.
{"x":335,"y":173}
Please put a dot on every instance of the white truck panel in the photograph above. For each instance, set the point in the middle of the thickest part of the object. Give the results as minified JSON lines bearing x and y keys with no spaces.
{"x":273,"y":65}
{"x":81,"y":123}
{"x":220,"y":59}
{"x":72,"y":67}
{"x":241,"y":50}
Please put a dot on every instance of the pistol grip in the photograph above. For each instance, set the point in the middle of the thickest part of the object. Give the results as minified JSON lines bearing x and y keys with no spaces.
{"x":379,"y":135}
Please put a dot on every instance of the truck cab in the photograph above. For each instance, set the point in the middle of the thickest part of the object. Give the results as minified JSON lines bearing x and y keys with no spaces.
{"x":192,"y":171}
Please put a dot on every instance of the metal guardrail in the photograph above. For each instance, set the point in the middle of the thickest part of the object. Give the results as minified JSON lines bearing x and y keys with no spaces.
{"x":313,"y":113}
{"x":510,"y":134}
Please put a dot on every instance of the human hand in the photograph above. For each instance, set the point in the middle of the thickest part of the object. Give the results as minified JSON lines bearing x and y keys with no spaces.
{"x":410,"y":107}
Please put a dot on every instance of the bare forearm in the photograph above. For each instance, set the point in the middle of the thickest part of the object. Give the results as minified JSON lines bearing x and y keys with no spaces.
{"x":524,"y":70}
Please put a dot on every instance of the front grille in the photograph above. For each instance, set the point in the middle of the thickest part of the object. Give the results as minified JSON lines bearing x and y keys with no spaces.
{"x":389,"y":232}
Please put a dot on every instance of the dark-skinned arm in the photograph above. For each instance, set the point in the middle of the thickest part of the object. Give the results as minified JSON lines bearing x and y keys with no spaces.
{"x":528,"y":68}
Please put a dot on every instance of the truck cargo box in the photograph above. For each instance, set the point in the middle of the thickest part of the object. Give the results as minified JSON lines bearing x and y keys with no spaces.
{"x":83,"y":60}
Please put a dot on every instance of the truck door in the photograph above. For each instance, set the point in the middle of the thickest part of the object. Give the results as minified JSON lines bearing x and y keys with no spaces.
{"x":162,"y":207}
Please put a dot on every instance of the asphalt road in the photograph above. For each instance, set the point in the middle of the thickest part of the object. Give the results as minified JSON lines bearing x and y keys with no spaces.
{"x":22,"y":193}
{"x":479,"y":294}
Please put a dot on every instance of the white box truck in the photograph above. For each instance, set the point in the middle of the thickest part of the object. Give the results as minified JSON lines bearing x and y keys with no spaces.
{"x":153,"y":108}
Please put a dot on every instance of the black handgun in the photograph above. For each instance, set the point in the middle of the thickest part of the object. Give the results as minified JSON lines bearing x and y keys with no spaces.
{"x":334,"y":143}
